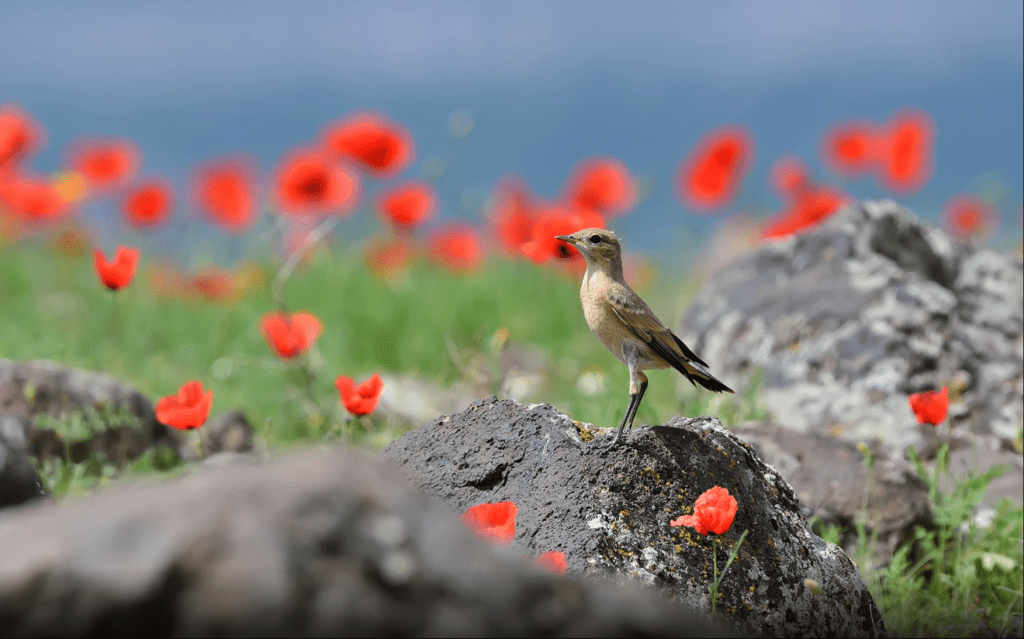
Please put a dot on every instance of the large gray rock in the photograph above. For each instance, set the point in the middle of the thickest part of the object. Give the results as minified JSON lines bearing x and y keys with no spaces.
{"x":836,"y":485}
{"x":324,"y":543}
{"x":121,"y":417}
{"x":848,"y":319}
{"x":610,"y":513}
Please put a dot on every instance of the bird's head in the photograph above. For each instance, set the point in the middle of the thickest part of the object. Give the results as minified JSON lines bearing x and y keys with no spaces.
{"x":600,"y":247}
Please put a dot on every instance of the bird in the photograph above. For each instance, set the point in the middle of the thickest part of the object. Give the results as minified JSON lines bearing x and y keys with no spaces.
{"x":627,"y":326}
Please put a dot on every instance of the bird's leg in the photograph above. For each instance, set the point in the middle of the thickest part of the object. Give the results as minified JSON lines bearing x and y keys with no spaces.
{"x":637,"y":388}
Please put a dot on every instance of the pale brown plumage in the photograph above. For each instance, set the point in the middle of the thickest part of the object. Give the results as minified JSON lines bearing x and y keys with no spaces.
{"x":626,"y":325}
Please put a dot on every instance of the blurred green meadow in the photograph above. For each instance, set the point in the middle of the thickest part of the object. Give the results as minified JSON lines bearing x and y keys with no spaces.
{"x":424,"y":321}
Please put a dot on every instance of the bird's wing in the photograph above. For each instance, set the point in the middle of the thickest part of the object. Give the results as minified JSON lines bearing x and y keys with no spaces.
{"x":641,"y":320}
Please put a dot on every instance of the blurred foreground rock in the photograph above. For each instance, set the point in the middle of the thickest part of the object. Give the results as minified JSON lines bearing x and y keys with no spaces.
{"x":848,"y":319}
{"x":610,"y":513}
{"x":325,"y":543}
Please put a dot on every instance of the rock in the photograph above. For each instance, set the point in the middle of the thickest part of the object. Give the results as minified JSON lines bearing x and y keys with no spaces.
{"x":40,"y":392}
{"x":610,"y":513}
{"x":322,"y":543}
{"x":849,"y":318}
{"x":19,"y":481}
{"x":229,"y":431}
{"x":834,"y":484}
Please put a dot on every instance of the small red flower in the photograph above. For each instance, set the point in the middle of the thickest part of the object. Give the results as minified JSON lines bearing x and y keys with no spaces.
{"x":496,"y":522}
{"x":457,"y":248}
{"x":186,"y":410}
{"x":713,"y":512}
{"x":543,"y":245}
{"x":930,"y":407}
{"x":361,"y":399}
{"x":852,"y":148}
{"x":553,"y":561}
{"x":119,"y":272}
{"x":309,"y":183}
{"x":811,"y":208}
{"x":789,"y":177}
{"x":215,"y":285}
{"x":380,"y":145}
{"x":148,"y":204}
{"x":20,"y":136}
{"x":226,"y":191}
{"x":602,"y":184}
{"x":409,"y":204}
{"x":33,"y":198}
{"x":966,"y":216}
{"x":290,"y":335}
{"x":512,"y":214}
{"x":105,"y":163}
{"x":384,"y":257}
{"x":709,"y":178}
{"x":907,"y":151}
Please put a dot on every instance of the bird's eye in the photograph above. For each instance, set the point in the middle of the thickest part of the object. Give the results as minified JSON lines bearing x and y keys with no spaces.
{"x":596,"y":239}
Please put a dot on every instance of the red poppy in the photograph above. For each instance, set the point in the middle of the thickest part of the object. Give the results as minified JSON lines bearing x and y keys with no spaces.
{"x":148,"y":203}
{"x":290,"y":335}
{"x":907,"y":151}
{"x":308,"y":182}
{"x":225,"y":190}
{"x":215,"y":285}
{"x":811,"y":208}
{"x":966,"y":216}
{"x":186,"y":410}
{"x":713,"y":512}
{"x":119,"y":272}
{"x":930,"y":407}
{"x":601,"y":184}
{"x":543,"y":245}
{"x":71,"y":241}
{"x":553,"y":561}
{"x":852,"y":148}
{"x":496,"y":522}
{"x":20,"y":136}
{"x":380,"y":145}
{"x":408,"y":204}
{"x":32,"y":198}
{"x":789,"y":177}
{"x":361,"y":399}
{"x":457,"y":248}
{"x":512,"y":214}
{"x":384,"y":257}
{"x":709,"y":178}
{"x":105,"y":163}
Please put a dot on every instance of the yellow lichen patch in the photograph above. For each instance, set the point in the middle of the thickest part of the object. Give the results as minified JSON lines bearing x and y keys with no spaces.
{"x":771,"y":542}
{"x":585,"y":433}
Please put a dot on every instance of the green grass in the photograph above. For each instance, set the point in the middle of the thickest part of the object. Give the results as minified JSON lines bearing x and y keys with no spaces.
{"x":53,"y":308}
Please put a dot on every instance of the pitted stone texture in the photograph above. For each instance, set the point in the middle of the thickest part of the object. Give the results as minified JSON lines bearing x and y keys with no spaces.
{"x":325,"y":544}
{"x":610,"y":513}
{"x":849,"y":318}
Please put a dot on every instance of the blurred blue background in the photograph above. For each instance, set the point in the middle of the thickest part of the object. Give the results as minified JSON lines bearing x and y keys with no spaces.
{"x":545,"y":83}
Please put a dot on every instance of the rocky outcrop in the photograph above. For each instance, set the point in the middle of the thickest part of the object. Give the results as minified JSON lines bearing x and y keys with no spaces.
{"x":325,"y":543}
{"x":847,"y":319}
{"x":841,"y":485}
{"x":610,"y":513}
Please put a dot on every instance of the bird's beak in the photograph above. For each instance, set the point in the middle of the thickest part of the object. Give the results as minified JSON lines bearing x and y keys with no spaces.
{"x":568,"y":239}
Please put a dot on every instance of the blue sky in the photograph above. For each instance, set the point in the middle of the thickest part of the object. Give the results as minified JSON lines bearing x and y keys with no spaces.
{"x":561,"y":80}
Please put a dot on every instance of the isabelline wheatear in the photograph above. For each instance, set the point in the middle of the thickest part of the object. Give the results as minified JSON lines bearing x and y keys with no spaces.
{"x":627,"y":326}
